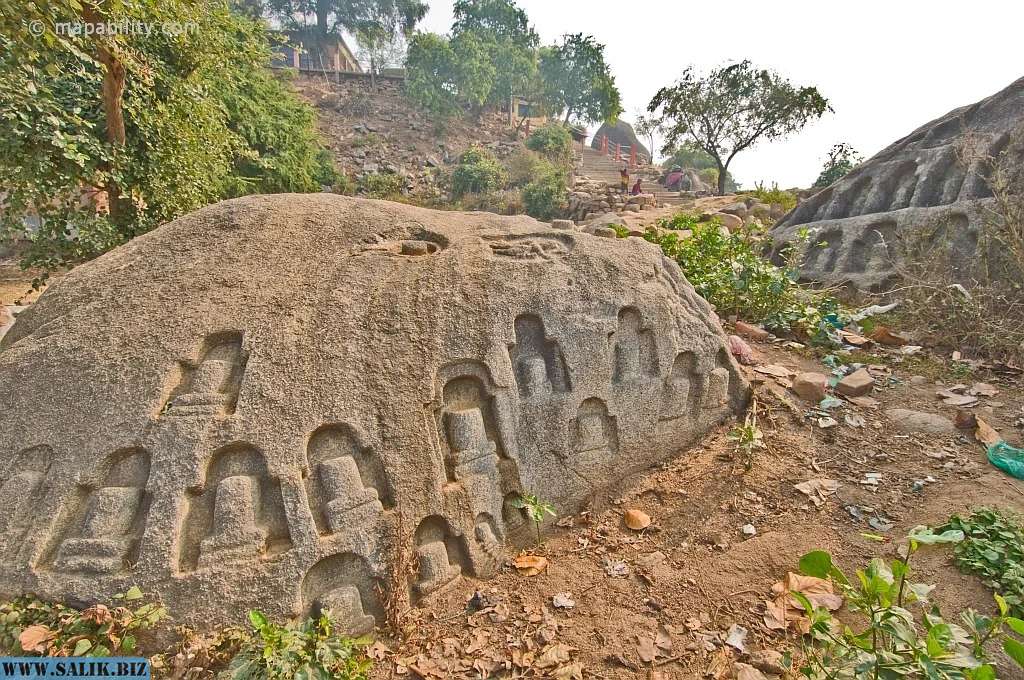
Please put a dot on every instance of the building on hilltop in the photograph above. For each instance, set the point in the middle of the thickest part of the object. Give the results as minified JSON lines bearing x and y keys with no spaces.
{"x":311,"y":51}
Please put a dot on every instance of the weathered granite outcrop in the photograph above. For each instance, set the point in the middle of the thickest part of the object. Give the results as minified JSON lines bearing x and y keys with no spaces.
{"x":916,"y":187}
{"x":260,"y":404}
{"x":619,"y":132}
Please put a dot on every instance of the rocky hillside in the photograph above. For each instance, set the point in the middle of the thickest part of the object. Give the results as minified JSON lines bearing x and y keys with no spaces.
{"x":373,"y":128}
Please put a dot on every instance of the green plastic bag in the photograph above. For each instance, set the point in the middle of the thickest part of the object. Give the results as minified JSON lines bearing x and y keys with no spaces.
{"x":1007,"y":458}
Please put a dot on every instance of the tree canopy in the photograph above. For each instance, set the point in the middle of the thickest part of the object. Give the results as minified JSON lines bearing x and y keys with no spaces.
{"x":731,"y":109}
{"x":369,"y":19}
{"x":842,"y":158}
{"x":577,"y":80}
{"x":108,"y":136}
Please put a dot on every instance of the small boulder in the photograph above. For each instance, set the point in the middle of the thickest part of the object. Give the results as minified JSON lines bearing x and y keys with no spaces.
{"x":857,"y":384}
{"x":730,"y":222}
{"x":916,"y":422}
{"x":562,"y":224}
{"x":811,"y":386}
{"x":605,"y":232}
{"x":751,"y":331}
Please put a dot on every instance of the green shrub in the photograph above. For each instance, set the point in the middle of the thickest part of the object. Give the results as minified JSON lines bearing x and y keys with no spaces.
{"x":787,"y":199}
{"x":525,"y":166}
{"x":728,"y":270}
{"x":32,"y":627}
{"x":545,"y":196}
{"x":502,"y":202}
{"x":478,"y":172}
{"x":553,"y":141}
{"x":709,"y":176}
{"x":305,"y":650}
{"x":680,"y":221}
{"x":884,"y":638}
{"x":381,"y":185}
{"x":993,"y":548}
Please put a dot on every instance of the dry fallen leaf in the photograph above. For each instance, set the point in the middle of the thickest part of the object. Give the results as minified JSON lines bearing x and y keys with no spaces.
{"x":747,"y":672}
{"x":33,"y":638}
{"x":553,"y":655}
{"x":783,"y":610}
{"x":884,"y":336}
{"x":530,"y":565}
{"x":854,"y":339}
{"x":637,"y":520}
{"x":645,"y":648}
{"x":986,"y":434}
{"x":818,"y":489}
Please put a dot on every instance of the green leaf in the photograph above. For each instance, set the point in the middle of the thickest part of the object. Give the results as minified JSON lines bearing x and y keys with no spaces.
{"x":985,"y":672}
{"x":926,"y":536}
{"x":1015,"y":624}
{"x":134,"y":593}
{"x":1015,"y":650}
{"x":817,"y":563}
{"x":81,"y":647}
{"x":128,"y":643}
{"x":257,"y":619}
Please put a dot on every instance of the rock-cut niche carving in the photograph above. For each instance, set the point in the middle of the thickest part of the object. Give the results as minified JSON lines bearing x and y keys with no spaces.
{"x":343,"y":585}
{"x":21,"y":495}
{"x":682,"y":390}
{"x":536,"y":359}
{"x":719,"y":382}
{"x":595,"y":435}
{"x":109,"y":518}
{"x":210,"y":387}
{"x":345,"y":480}
{"x":634,"y":349}
{"x":440,"y":556}
{"x":237,"y":515}
{"x":469,"y":425}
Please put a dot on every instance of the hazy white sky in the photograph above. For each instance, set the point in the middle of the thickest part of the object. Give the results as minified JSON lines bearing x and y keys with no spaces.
{"x":886,"y":67}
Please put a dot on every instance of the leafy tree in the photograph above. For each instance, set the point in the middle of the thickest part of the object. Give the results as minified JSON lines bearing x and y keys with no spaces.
{"x":732,"y":108}
{"x":503,"y":29}
{"x":647,"y":128}
{"x":478,"y":172}
{"x":578,"y":81}
{"x":689,"y":155}
{"x":93,"y":159}
{"x":842,"y":158}
{"x":364,"y":18}
{"x":553,"y":141}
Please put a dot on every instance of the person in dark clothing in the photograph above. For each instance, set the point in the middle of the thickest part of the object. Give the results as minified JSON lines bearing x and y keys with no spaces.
{"x":636,"y":188}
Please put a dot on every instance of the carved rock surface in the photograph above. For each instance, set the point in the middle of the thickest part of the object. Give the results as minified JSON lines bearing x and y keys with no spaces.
{"x":916,"y":188}
{"x":254,"y":405}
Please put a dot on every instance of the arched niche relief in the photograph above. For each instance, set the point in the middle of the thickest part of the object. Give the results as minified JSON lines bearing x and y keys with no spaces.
{"x":595,"y":434}
{"x":237,"y":515}
{"x":719,"y":382}
{"x":634,"y":351}
{"x":468,"y":420}
{"x":872,"y":249}
{"x":344,"y":586}
{"x":21,"y":495}
{"x":209,"y":386}
{"x":107,"y":517}
{"x":683,"y":387}
{"x":537,"y":360}
{"x":345,"y":479}
{"x":441,"y":556}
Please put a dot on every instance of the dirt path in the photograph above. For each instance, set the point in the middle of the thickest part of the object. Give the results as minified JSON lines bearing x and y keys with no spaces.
{"x":692,"y":573}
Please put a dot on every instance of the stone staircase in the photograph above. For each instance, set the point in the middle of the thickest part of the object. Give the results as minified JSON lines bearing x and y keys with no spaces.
{"x":596,"y":165}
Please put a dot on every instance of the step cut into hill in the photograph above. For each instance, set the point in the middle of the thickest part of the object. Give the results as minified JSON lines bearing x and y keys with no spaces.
{"x":916,"y":188}
{"x":265,"y":403}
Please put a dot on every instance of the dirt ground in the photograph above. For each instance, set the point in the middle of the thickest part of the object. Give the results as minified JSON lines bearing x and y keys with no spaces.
{"x":693,"y":574}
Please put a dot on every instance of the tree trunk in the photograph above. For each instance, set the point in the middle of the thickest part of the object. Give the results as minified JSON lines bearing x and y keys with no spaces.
{"x":322,"y":15}
{"x":723,"y":171}
{"x":113,"y":111}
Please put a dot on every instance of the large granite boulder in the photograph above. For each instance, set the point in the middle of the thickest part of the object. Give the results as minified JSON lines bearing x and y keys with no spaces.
{"x":917,"y":188}
{"x":268,"y":402}
{"x":619,"y":132}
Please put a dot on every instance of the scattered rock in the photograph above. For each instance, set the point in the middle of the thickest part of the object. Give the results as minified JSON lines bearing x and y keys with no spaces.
{"x":767,"y":660}
{"x":916,"y":422}
{"x":562,"y":224}
{"x":563,"y":601}
{"x":751,"y":331}
{"x":741,"y":350}
{"x":748,"y":530}
{"x":885,"y":336}
{"x":811,"y":386}
{"x":637,"y":520}
{"x":857,"y":384}
{"x":604,"y":232}
{"x":730,"y":222}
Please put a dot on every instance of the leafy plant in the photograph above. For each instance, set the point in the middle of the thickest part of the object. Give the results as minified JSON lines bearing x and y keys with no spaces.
{"x":478,"y":172}
{"x":680,"y":221}
{"x":309,"y":650}
{"x":553,"y":141}
{"x":748,"y":437}
{"x":889,"y":641}
{"x":544,"y":197}
{"x":29,"y":626}
{"x":381,"y":184}
{"x":729,"y":271}
{"x":842,"y":158}
{"x":535,"y":509}
{"x":578,"y":81}
{"x":524,"y":166}
{"x":993,"y":548}
{"x":787,"y":199}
